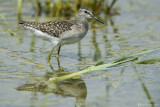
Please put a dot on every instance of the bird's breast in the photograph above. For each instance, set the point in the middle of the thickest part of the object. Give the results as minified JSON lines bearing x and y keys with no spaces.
{"x":74,"y":35}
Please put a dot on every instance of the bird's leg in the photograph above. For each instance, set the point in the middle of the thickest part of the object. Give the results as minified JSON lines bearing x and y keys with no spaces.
{"x":49,"y":55}
{"x":59,"y":48}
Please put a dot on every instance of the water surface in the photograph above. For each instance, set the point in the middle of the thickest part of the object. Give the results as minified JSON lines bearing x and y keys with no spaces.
{"x":134,"y":29}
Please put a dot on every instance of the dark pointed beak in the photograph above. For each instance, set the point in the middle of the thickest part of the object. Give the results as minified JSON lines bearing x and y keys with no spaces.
{"x":96,"y":19}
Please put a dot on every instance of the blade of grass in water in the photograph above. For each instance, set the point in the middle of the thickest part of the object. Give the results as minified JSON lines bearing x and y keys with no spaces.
{"x":126,"y":56}
{"x":11,"y":32}
{"x":134,"y":55}
{"x":150,"y":61}
{"x":87,"y":70}
{"x":4,"y":19}
{"x":98,"y":67}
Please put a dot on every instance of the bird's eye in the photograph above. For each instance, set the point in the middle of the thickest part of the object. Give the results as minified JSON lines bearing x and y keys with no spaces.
{"x":85,"y":11}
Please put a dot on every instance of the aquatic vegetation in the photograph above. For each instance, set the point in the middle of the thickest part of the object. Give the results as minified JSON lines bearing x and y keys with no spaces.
{"x":98,"y":66}
{"x":57,"y":8}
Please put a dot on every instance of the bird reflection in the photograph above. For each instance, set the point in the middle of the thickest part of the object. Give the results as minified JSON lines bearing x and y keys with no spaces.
{"x":69,"y":88}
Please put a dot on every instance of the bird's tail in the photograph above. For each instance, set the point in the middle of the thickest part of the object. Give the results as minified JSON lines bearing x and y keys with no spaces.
{"x":23,"y":23}
{"x":29,"y":25}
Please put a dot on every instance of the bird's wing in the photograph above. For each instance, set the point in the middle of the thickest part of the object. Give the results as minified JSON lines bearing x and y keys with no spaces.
{"x":53,"y":28}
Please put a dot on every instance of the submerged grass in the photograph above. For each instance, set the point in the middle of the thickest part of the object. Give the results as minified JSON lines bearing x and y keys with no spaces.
{"x":4,"y":19}
{"x":21,"y":59}
{"x":99,"y":66}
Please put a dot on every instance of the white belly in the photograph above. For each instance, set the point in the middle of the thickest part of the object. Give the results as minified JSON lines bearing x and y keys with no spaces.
{"x":71,"y":40}
{"x":72,"y":37}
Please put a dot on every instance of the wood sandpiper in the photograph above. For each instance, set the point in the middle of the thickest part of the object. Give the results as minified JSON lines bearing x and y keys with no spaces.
{"x":62,"y":32}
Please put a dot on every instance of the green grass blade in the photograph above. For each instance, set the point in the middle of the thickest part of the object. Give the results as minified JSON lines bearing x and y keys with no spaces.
{"x":134,"y":55}
{"x":150,"y":61}
{"x":126,"y":56}
{"x":4,"y":19}
{"x":11,"y":32}
{"x":19,"y":8}
{"x":100,"y":66}
{"x":87,"y":70}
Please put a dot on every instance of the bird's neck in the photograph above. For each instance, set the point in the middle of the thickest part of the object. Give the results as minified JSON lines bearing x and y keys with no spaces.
{"x":82,"y":19}
{"x":83,"y":22}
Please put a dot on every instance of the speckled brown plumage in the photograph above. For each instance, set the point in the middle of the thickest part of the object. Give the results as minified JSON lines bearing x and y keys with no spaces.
{"x":53,"y":28}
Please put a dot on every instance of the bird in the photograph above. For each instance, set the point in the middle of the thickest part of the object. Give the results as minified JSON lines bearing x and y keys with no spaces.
{"x":62,"y":32}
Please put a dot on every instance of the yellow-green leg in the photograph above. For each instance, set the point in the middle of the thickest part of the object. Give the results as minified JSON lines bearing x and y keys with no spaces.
{"x":59,"y":48}
{"x":49,"y":55}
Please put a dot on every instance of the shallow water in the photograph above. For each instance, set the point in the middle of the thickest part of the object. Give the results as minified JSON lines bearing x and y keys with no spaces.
{"x":24,"y":70}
